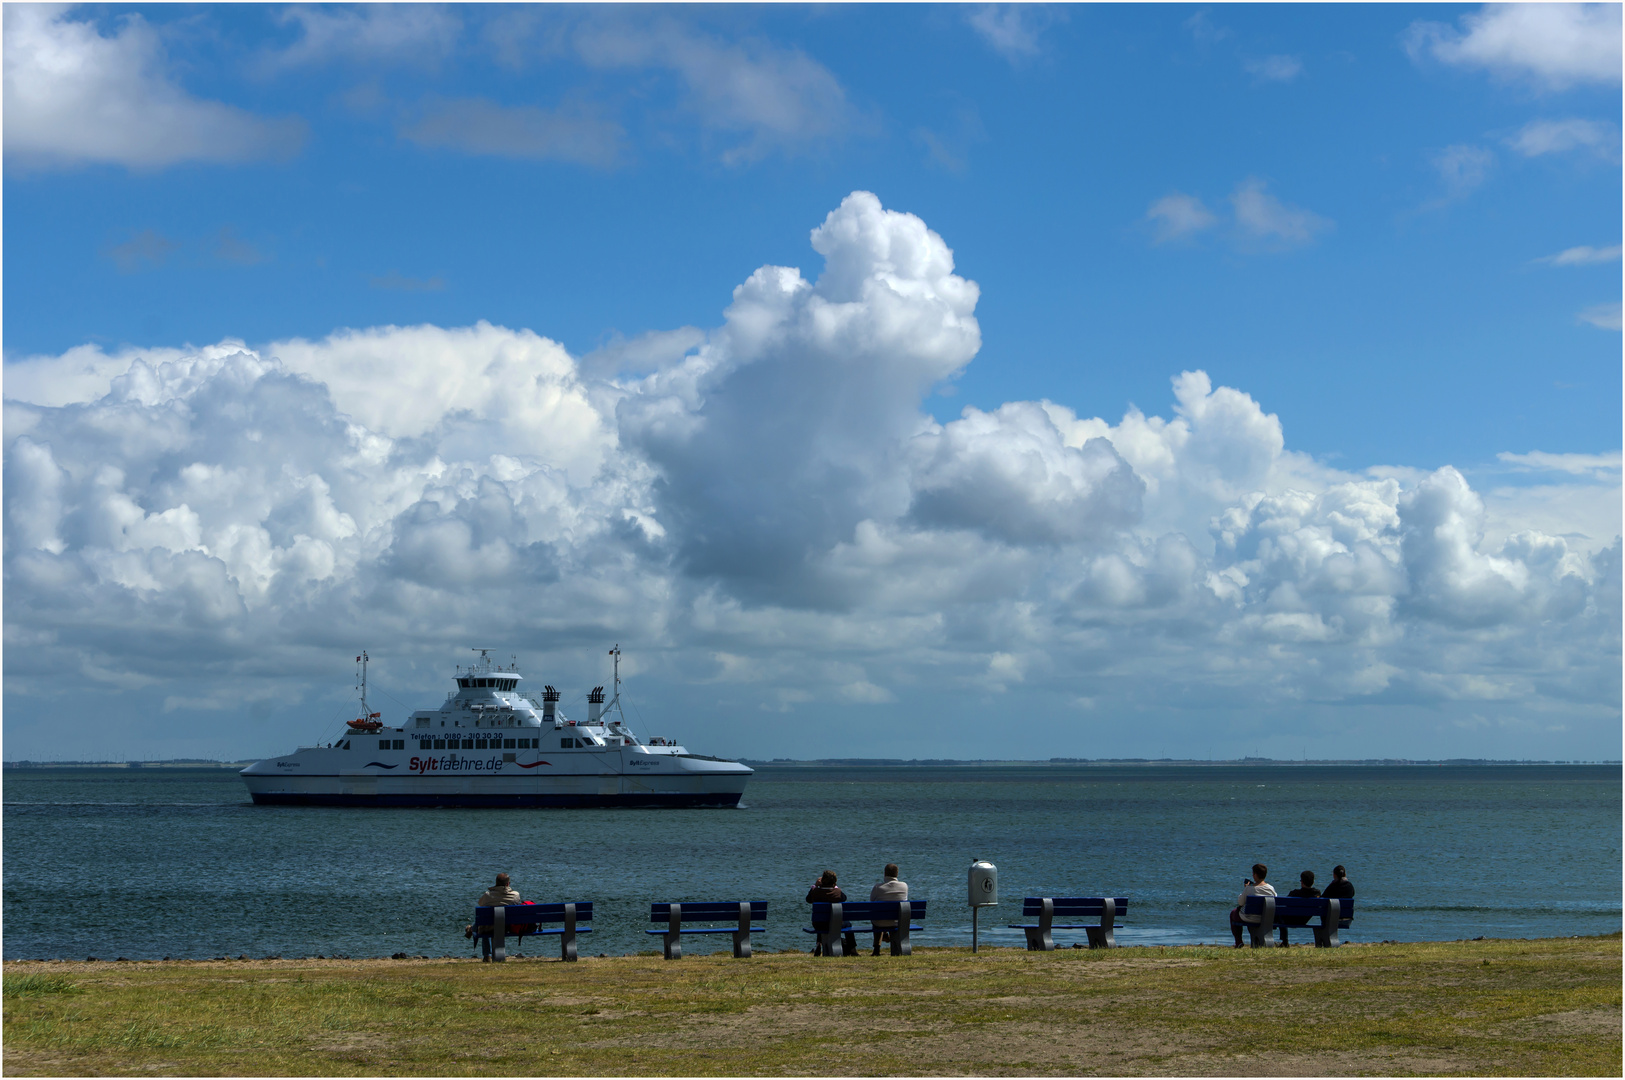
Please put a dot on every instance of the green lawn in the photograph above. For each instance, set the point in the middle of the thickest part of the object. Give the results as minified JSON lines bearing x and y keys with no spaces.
{"x":1549,"y":1007}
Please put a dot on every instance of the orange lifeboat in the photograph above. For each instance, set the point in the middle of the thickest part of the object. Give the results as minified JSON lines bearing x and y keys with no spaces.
{"x":370,"y":723}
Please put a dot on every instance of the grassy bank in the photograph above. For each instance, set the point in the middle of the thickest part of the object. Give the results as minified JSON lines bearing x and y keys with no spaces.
{"x":1548,"y":1007}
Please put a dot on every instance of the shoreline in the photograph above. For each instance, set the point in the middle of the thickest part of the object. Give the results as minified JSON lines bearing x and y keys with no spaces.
{"x":996,"y":951}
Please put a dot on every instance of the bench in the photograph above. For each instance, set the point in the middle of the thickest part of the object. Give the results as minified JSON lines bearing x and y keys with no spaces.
{"x":1105,"y":910}
{"x":739,"y":912}
{"x":518,"y":920}
{"x":837,"y":917}
{"x":1334,"y":913}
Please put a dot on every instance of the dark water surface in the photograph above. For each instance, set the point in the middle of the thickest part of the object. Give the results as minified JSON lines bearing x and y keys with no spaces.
{"x":177,"y":862}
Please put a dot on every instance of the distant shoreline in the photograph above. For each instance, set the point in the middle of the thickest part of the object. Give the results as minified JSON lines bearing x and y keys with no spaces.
{"x":906,"y":763}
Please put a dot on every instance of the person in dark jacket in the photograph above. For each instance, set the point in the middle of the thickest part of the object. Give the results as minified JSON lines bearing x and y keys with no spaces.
{"x":825,"y":891}
{"x":1341,"y":887}
{"x":1306,"y":887}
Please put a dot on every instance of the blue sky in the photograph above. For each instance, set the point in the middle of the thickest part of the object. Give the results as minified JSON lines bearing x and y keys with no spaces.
{"x":1388,"y":236}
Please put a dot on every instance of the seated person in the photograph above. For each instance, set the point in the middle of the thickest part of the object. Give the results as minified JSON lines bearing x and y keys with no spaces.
{"x":1256,"y":886}
{"x":499,"y":895}
{"x":889,"y":888}
{"x":825,"y":891}
{"x":1341,"y":887}
{"x":1306,"y":888}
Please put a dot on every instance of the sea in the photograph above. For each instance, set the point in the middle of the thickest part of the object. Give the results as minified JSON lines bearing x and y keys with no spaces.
{"x":159,"y":862}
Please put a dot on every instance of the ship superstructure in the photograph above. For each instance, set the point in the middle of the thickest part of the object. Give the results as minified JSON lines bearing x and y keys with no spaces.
{"x":493,"y":743}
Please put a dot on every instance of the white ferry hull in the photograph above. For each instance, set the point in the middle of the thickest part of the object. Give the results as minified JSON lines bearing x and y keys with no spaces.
{"x":724,"y":789}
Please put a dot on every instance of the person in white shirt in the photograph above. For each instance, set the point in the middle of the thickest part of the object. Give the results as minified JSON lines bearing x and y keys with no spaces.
{"x":888,"y":888}
{"x":1255,"y":887}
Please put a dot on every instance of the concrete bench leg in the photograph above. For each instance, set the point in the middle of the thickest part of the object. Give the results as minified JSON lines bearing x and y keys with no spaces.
{"x":1039,"y":938}
{"x":567,"y":940}
{"x":900,"y":944}
{"x":1326,"y":932}
{"x":673,"y":937}
{"x":1263,"y":930}
{"x":498,"y":933}
{"x":1101,"y":937}
{"x":742,"y":935}
{"x":830,"y":939}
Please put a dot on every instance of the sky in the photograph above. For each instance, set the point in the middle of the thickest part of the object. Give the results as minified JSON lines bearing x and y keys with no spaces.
{"x":887,"y":381}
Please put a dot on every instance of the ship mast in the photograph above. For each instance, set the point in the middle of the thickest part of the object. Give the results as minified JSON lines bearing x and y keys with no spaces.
{"x":366,"y":714}
{"x":615,"y":702}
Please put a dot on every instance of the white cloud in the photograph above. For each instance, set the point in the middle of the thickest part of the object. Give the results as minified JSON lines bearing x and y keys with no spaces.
{"x":1562,"y":136}
{"x":1584,"y":255}
{"x":74,"y":96}
{"x":1555,"y":45}
{"x":777,"y":99}
{"x":1603,"y":316}
{"x":1575,"y":464}
{"x":578,"y":133}
{"x":410,"y":33}
{"x":1462,"y":169}
{"x":1178,"y":216}
{"x":1012,"y":30}
{"x":1262,"y":216}
{"x":1275,"y":68}
{"x":766,"y":508}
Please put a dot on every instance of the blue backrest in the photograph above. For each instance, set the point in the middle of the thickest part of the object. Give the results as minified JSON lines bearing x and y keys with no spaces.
{"x":868,"y":909}
{"x":718,"y":911}
{"x":1073,"y":907}
{"x":530,"y":914}
{"x":1300,"y":907}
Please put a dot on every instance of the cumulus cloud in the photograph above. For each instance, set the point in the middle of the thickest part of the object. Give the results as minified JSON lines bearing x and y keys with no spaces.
{"x":75,"y":96}
{"x":578,"y":133}
{"x":1262,"y":216}
{"x":1177,"y":216}
{"x":769,"y":510}
{"x":1553,"y":45}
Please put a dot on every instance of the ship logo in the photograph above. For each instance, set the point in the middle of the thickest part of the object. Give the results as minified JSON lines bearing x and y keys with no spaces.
{"x":533,"y":764}
{"x":380,"y":764}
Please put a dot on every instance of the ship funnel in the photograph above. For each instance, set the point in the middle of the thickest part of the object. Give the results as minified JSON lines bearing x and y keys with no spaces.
{"x":550,"y":703}
{"x":595,"y":704}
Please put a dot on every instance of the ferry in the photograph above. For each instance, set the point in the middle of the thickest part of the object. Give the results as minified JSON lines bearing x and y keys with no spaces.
{"x":494,"y":744}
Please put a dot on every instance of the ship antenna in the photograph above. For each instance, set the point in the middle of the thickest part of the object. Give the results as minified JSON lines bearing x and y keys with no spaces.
{"x":365,"y":712}
{"x":615,"y":702}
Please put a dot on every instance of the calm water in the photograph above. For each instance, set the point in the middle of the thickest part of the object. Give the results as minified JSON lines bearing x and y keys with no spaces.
{"x":178,"y":862}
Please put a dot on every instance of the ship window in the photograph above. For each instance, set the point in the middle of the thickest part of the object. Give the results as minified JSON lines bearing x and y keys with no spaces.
{"x":468,"y":744}
{"x":400,"y":744}
{"x":383,"y":744}
{"x":463,"y":683}
{"x":508,"y":744}
{"x":346,"y":744}
{"x":479,"y":744}
{"x":524,"y":744}
{"x":440,"y":744}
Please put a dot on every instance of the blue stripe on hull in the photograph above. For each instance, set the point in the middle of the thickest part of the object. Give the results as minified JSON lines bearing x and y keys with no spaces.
{"x":715,"y":798}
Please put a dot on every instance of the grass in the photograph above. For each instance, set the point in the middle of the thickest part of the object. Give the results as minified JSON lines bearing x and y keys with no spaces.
{"x":1547,"y":1007}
